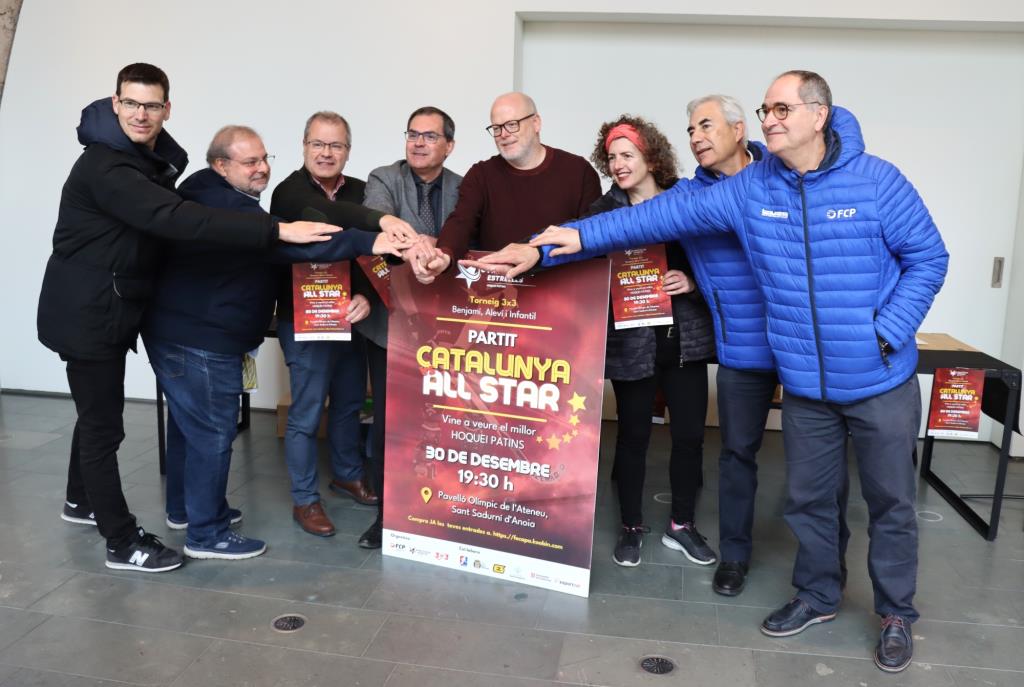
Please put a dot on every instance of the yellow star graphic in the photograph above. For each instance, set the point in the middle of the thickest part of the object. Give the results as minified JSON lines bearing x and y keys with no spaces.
{"x":566,"y":437}
{"x":540,"y":439}
{"x":574,"y":420}
{"x":553,"y":442}
{"x":577,"y":402}
{"x":575,"y":432}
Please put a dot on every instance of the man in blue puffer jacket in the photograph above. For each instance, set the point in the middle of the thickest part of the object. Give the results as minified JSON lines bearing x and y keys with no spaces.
{"x":746,"y":377}
{"x":849,"y":261}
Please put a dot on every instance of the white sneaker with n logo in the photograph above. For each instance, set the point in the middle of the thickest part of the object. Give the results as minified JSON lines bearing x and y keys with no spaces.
{"x":145,"y":554}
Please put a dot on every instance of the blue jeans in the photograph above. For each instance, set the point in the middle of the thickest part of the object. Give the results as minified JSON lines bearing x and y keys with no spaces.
{"x":883,"y":430}
{"x":318,"y":370}
{"x":202,"y":390}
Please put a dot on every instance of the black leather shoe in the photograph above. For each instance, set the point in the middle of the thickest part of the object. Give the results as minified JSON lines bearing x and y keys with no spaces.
{"x":730,"y":577}
{"x":792,"y":619}
{"x":895,"y":647}
{"x":371,"y":538}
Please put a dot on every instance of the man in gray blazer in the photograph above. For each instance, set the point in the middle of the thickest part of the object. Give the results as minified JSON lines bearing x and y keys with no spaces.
{"x":420,"y":190}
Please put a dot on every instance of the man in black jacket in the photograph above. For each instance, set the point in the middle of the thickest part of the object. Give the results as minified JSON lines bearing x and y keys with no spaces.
{"x":117,"y":202}
{"x":211,"y":306}
{"x":319,"y":370}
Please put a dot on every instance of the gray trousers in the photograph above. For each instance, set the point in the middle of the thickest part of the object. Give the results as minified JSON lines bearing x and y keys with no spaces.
{"x":884,"y":435}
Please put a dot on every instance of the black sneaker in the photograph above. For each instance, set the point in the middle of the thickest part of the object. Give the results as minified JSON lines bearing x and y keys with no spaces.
{"x":372,"y":537}
{"x":144,"y":554}
{"x":627,"y":549}
{"x":895,"y":646}
{"x":78,"y":513}
{"x":690,"y":542}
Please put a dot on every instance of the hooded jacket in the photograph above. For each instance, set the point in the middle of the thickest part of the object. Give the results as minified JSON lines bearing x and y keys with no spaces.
{"x":845,"y":255}
{"x":726,"y":279}
{"x":116,"y":205}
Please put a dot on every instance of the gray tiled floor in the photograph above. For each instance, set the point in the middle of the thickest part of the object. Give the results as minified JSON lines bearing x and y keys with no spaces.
{"x":65,"y":620}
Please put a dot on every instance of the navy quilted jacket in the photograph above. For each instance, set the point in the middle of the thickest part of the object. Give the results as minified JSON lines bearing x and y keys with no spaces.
{"x":727,"y":281}
{"x":844,"y":254}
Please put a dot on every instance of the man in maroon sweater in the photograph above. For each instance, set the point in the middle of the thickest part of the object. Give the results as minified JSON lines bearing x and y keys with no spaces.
{"x":516,"y":193}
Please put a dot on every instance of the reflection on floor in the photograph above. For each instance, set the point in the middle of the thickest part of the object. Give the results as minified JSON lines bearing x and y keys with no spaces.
{"x":66,"y":620}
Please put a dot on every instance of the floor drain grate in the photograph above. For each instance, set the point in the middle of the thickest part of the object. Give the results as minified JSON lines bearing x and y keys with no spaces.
{"x":657,"y":665}
{"x":290,"y":622}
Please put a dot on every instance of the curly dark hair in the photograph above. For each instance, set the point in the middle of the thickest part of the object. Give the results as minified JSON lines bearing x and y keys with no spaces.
{"x":658,"y":153}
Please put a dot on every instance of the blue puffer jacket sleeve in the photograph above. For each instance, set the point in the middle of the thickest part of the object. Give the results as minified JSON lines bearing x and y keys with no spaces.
{"x":912,"y":237}
{"x":667,"y":217}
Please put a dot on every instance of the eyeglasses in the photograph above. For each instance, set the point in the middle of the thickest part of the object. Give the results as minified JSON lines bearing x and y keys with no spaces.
{"x":252,"y":162}
{"x":131,"y":107}
{"x":511,"y":126}
{"x":430,"y":137}
{"x":780,"y":110}
{"x":336,"y":147}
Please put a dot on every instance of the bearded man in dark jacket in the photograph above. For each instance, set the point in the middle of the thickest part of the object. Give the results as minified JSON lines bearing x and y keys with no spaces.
{"x":117,"y":203}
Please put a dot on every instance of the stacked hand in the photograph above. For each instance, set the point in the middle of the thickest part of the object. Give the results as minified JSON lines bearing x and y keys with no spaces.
{"x":426,"y":259}
{"x":516,"y":258}
{"x":400,"y":231}
{"x":387,"y":244}
{"x":305,"y":232}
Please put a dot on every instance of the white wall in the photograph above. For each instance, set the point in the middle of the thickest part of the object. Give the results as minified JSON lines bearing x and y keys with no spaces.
{"x":271,"y":65}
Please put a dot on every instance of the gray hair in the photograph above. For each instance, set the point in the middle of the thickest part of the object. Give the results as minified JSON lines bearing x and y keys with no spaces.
{"x":813,"y":87}
{"x":731,"y":109}
{"x":330,"y":118}
{"x":223,"y":139}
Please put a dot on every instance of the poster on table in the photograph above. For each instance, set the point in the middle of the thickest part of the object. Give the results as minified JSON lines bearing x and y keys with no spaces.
{"x":321,"y":292}
{"x":378,"y":271}
{"x":955,"y":409}
{"x":638,"y":299}
{"x":494,"y":422}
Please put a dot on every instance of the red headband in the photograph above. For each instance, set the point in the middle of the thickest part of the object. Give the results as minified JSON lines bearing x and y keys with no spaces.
{"x":626,"y":131}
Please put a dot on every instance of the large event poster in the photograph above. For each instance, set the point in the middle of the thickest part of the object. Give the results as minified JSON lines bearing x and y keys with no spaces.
{"x":494,"y":422}
{"x":638,"y":299}
{"x":955,"y":409}
{"x":320,"y":297}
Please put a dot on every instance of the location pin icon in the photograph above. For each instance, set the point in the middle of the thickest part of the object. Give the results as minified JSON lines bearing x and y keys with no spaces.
{"x":426,"y":493}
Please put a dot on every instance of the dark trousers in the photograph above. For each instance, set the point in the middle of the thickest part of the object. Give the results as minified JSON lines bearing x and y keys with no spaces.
{"x":883,"y":430}
{"x":97,"y":388}
{"x":377,"y":358}
{"x":744,"y":399}
{"x":686,"y":395}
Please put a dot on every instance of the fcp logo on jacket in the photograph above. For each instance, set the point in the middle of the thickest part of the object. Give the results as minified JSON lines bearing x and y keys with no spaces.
{"x":840,"y":213}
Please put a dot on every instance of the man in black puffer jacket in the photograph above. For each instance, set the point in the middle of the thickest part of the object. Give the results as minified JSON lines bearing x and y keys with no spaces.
{"x":117,"y":203}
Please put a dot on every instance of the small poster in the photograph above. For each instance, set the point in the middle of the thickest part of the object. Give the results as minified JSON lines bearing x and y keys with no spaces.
{"x":637,"y":297}
{"x":379,"y":273}
{"x":494,"y":422}
{"x":956,"y":402}
{"x":321,"y":293}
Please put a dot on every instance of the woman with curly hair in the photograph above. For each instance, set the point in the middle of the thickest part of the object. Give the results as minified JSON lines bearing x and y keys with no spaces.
{"x":641,"y":164}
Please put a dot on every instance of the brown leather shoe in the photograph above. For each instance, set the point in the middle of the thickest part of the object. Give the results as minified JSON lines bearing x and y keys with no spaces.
{"x":313,"y":519}
{"x":357,"y":489}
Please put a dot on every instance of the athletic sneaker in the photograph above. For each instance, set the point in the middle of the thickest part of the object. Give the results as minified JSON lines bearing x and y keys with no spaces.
{"x":232,"y":547}
{"x":692,"y":543}
{"x":234,"y":517}
{"x":627,"y":549}
{"x":144,"y":554}
{"x":78,"y":513}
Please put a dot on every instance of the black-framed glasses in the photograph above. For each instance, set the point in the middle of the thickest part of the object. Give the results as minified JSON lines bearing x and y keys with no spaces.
{"x":335,"y":147}
{"x":780,"y":110}
{"x":511,"y":126}
{"x":251,"y":162}
{"x":131,"y":106}
{"x":430,"y":137}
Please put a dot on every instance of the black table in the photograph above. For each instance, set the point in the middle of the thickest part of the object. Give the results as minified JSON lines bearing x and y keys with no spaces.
{"x":1001,"y":402}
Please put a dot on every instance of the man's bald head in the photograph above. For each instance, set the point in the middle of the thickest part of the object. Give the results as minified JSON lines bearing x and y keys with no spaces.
{"x":515,"y":125}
